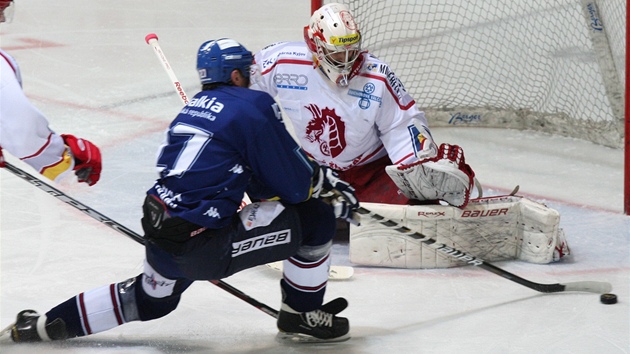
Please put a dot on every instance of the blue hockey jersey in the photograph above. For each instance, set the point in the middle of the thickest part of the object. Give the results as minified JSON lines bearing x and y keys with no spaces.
{"x":225,"y":142}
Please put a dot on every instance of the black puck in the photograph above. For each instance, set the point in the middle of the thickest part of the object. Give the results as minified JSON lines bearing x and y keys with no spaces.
{"x":608,"y":299}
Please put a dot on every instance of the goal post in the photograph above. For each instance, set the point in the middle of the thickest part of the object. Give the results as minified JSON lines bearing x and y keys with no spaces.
{"x":626,"y":164}
{"x":556,"y":66}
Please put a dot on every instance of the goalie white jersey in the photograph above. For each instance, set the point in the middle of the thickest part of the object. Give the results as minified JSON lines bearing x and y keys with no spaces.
{"x":342,"y":127}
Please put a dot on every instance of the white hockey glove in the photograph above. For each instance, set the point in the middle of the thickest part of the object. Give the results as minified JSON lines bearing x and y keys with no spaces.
{"x":444,"y":177}
{"x":326,"y":183}
{"x":345,"y":210}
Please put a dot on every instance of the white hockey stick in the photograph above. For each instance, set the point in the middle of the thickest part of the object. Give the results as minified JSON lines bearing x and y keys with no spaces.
{"x":152,"y":40}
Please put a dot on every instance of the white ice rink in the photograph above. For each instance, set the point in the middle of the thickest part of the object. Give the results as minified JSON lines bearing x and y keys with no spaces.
{"x":86,"y":65}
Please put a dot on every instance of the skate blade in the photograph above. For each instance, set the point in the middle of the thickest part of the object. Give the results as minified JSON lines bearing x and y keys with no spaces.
{"x":305,"y":338}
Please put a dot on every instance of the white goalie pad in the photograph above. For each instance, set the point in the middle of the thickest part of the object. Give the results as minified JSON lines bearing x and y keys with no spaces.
{"x":492,"y":229}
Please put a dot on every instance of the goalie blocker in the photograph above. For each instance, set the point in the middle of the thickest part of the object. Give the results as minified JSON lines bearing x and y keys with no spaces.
{"x":493,"y":229}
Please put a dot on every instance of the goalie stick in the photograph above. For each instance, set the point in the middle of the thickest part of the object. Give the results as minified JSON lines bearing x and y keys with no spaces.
{"x":581,"y":286}
{"x":126,"y":231}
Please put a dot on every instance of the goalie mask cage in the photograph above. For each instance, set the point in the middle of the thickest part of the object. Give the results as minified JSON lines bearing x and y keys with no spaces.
{"x":556,"y":66}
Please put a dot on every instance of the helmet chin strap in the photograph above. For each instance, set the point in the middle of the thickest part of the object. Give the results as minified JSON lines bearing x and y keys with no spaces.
{"x":346,"y":74}
{"x":342,"y":81}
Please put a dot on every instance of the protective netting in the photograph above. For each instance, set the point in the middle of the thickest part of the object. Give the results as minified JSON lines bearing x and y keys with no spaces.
{"x":550,"y":65}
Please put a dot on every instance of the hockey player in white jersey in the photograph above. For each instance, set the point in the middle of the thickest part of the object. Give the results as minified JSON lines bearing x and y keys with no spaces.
{"x":25,"y":132}
{"x":350,"y":112}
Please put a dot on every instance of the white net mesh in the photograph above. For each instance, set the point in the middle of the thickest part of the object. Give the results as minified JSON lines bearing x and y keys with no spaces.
{"x":548,"y":65}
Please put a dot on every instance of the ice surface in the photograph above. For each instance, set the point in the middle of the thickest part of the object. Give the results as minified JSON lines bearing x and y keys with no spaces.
{"x":86,"y":65}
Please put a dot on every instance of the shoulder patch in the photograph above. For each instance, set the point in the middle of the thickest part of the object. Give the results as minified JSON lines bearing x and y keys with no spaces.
{"x":393,"y":81}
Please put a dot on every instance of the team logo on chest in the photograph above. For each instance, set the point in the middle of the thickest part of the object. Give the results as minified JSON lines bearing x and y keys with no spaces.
{"x":366,"y":97}
{"x":327,"y":129}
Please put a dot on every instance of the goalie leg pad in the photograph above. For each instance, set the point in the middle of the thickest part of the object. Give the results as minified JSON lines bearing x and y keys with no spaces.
{"x":376,"y":245}
{"x":494,"y":229}
{"x":543,"y":241}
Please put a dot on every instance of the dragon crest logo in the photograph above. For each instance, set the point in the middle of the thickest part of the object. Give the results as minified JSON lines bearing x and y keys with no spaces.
{"x":327,"y":129}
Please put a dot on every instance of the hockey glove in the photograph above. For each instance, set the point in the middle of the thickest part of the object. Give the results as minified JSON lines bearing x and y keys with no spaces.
{"x":344,"y":210}
{"x":445,"y":177}
{"x":2,"y":162}
{"x":326,"y":182}
{"x":87,"y":159}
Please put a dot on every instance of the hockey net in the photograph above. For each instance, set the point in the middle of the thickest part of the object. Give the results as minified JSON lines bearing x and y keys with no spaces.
{"x":556,"y":66}
{"x":548,"y":65}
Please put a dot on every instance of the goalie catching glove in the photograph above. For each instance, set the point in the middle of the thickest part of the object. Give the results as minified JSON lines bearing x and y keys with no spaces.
{"x":326,"y":183}
{"x":444,"y":177}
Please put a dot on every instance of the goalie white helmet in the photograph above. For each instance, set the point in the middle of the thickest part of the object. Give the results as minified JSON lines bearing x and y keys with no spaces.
{"x":334,"y":38}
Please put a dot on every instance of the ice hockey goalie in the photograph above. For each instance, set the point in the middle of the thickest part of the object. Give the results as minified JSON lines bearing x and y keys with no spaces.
{"x":493,"y":229}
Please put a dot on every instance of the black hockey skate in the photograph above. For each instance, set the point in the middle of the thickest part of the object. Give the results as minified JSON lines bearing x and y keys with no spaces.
{"x":25,"y":328}
{"x":321,"y":325}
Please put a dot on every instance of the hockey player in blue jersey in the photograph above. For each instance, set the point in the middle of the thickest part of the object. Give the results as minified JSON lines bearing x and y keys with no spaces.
{"x":229,"y":140}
